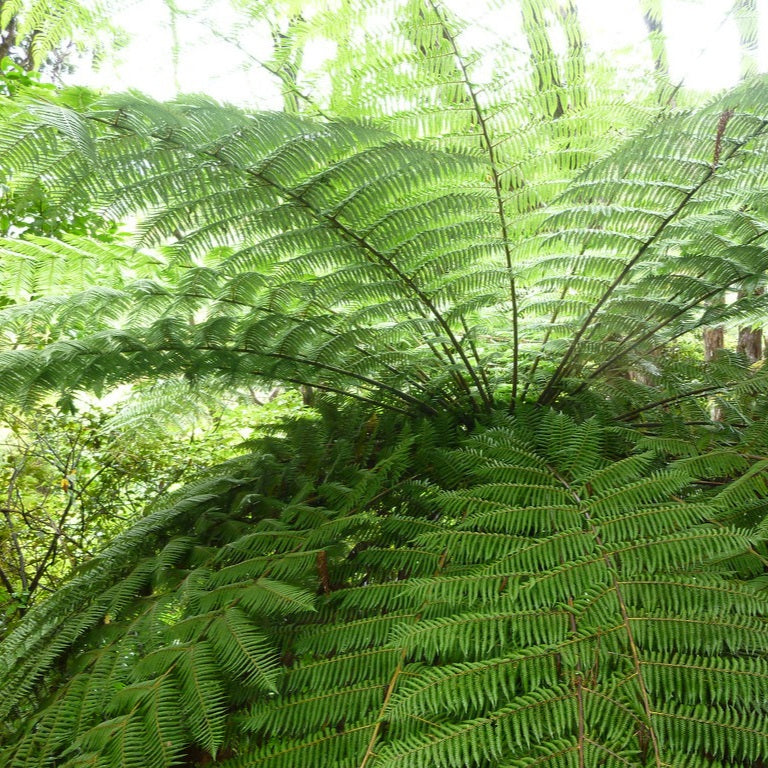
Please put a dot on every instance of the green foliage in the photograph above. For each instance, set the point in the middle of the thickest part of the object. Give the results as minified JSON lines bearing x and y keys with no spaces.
{"x":74,"y":480}
{"x":13,"y":77}
{"x":393,"y":303}
{"x":32,"y":30}
{"x":304,"y":609}
{"x":512,"y":534}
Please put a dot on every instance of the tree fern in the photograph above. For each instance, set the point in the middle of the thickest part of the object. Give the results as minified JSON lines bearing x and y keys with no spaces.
{"x":495,"y":546}
{"x":337,"y":238}
{"x":599,"y":624}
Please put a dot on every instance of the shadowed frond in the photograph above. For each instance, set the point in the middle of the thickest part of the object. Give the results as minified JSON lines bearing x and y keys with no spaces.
{"x":608,"y":627}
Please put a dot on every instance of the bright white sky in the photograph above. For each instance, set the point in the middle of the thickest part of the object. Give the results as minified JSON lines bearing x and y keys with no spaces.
{"x":702,"y":41}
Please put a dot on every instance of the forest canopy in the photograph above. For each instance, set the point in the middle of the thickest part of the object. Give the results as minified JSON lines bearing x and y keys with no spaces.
{"x":418,"y":422}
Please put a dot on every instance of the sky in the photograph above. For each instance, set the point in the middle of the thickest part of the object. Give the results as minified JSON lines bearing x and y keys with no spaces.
{"x":702,"y":42}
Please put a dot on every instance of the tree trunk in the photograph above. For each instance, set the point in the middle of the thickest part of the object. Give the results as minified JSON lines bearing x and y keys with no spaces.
{"x":750,"y":341}
{"x":713,"y":342}
{"x":7,"y":37}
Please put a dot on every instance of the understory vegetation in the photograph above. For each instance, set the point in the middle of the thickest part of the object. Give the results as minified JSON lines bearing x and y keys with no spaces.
{"x":503,"y":509}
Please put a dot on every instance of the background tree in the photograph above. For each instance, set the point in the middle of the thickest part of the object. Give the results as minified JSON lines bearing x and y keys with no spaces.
{"x":41,"y":34}
{"x":75,"y":480}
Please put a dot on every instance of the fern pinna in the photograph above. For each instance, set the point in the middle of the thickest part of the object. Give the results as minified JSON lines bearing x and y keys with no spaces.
{"x":514,"y":536}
